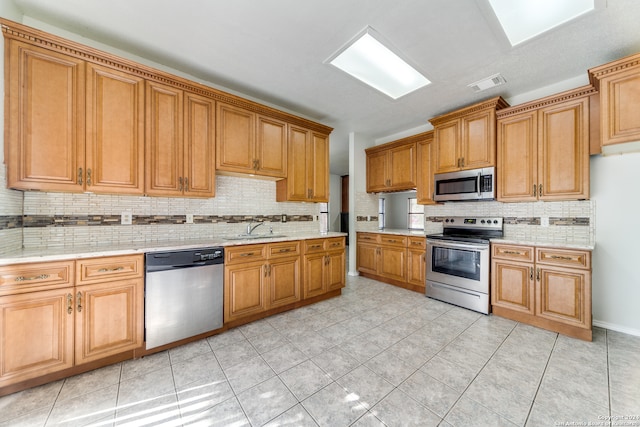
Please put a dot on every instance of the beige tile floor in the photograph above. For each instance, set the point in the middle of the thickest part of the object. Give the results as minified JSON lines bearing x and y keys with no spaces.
{"x":377,"y":355}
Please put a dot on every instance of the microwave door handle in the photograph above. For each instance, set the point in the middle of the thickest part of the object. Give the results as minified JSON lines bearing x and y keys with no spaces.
{"x":479,"y":181}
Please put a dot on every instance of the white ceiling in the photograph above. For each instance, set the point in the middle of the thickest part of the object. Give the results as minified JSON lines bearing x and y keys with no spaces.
{"x":275,"y":51}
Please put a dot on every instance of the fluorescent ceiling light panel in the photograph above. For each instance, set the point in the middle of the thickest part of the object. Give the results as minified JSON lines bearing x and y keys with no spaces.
{"x":522,"y":20}
{"x":371,"y":62}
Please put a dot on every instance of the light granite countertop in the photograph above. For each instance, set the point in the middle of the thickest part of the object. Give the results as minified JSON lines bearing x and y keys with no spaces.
{"x":399,"y":231}
{"x":32,"y":255}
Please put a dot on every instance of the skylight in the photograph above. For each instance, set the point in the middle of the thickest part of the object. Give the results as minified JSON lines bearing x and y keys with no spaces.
{"x":373,"y":63}
{"x":522,"y":20}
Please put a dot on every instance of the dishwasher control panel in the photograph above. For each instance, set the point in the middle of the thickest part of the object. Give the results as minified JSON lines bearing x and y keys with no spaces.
{"x":160,"y":261}
{"x":208,"y":255}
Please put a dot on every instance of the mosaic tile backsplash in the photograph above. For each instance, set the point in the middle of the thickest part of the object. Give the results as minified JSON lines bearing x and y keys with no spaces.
{"x":52,"y":220}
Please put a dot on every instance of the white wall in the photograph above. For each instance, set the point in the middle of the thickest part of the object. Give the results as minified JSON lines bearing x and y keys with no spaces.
{"x":335,"y":201}
{"x":616,"y":258}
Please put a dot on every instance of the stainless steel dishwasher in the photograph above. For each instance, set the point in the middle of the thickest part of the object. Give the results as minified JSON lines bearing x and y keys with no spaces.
{"x":183,"y":294}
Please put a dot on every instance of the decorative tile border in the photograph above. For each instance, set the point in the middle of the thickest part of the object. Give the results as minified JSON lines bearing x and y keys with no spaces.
{"x":35,"y":221}
{"x":370,"y":218}
{"x":10,"y":222}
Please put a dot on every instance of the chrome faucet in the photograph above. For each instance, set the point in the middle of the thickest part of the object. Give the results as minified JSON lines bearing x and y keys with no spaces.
{"x":250,"y":228}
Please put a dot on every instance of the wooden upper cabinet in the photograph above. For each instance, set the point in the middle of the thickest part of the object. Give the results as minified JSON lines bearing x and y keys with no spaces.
{"x":115,"y":131}
{"x":392,"y":166}
{"x":543,"y":149}
{"x":250,"y":143}
{"x":46,"y":112}
{"x":619,"y":85}
{"x":517,"y":146}
{"x":199,"y":145}
{"x":179,"y":143}
{"x":164,"y":140}
{"x":424,"y":169}
{"x":308,"y":167}
{"x":271,"y":147}
{"x":235,"y":139}
{"x":466,"y":138}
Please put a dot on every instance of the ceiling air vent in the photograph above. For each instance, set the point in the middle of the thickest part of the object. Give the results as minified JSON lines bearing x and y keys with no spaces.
{"x":487,"y":83}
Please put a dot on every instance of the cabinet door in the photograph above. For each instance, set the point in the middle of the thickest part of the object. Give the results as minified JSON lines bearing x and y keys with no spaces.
{"x":235,"y":139}
{"x":319,"y":168}
{"x":36,"y":334}
{"x":446,"y":138}
{"x":377,"y":171}
{"x":564,"y":295}
{"x":416,"y":267}
{"x":199,"y":145}
{"x":424,"y":184}
{"x":45,"y":129}
{"x":517,"y":158}
{"x":402,"y":167}
{"x":335,"y":270}
{"x":512,"y":286}
{"x":367,"y":258}
{"x":478,"y":147}
{"x":314,"y":271}
{"x":115,"y":131}
{"x":563,"y":151}
{"x":109,"y":319}
{"x":244,"y":290}
{"x":284,"y":281}
{"x":619,"y":100}
{"x":164,"y":141}
{"x":294,"y":187}
{"x":271,"y":147}
{"x":393,"y":263}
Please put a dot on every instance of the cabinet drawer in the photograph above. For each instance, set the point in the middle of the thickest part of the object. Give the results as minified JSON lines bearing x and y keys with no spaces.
{"x":513,"y":252}
{"x":104,"y":269}
{"x":393,"y":240}
{"x":313,"y":246}
{"x":20,"y":278}
{"x":564,"y":257}
{"x":335,"y":243}
{"x":369,"y":237}
{"x":283,"y":249}
{"x":244,"y":253}
{"x":416,"y":243}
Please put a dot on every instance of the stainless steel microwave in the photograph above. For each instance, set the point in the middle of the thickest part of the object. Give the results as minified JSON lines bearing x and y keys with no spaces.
{"x":473,"y":184}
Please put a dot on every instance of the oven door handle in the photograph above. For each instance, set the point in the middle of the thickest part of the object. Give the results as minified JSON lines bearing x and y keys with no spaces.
{"x":457,"y":245}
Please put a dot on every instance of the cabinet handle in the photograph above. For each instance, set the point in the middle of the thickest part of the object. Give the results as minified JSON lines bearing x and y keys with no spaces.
{"x":530,"y":273}
{"x":79,"y":296}
{"x":79,"y":176}
{"x":285,"y":250}
{"x":24,"y":279}
{"x":534,"y":190}
{"x":186,"y":184}
{"x":326,"y":260}
{"x":247,"y":254}
{"x":391,"y":241}
{"x":512,"y":252}
{"x":565,"y":258}
{"x":89,"y":176}
{"x":110,"y":269}
{"x":180,"y":187}
{"x":462,"y":162}
{"x":538,"y":274}
{"x":69,"y":303}
{"x":315,"y":246}
{"x":540,"y":190}
{"x":336,"y":244}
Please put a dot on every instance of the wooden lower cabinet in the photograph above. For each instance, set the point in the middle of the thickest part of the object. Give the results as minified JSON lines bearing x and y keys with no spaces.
{"x":46,"y":328}
{"x":244,"y":290}
{"x":545,"y":287}
{"x":394,"y":259}
{"x":324,"y":266}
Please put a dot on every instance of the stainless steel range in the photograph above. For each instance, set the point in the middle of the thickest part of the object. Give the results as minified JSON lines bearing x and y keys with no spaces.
{"x":458,"y":261}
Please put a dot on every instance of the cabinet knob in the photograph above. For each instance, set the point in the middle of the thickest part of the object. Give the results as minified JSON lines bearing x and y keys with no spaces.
{"x":540,"y":190}
{"x":79,"y":176}
{"x":530,"y":273}
{"x":180,"y":184}
{"x":186,"y":184}
{"x":79,"y":297}
{"x":538,"y":274}
{"x":89,"y":176}
{"x":534,"y":190}
{"x":69,"y":303}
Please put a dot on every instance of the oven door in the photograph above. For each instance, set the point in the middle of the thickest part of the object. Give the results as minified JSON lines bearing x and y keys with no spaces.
{"x":465,"y":265}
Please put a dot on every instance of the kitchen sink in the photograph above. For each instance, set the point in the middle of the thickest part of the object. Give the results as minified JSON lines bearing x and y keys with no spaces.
{"x":253,"y":236}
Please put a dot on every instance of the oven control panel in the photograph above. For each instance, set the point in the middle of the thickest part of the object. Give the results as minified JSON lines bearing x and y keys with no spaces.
{"x":473,"y":222}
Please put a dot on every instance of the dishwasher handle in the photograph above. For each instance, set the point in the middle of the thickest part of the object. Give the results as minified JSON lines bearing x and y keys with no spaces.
{"x":153,"y":268}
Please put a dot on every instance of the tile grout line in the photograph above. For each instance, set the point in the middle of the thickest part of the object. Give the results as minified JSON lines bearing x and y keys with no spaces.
{"x":555,"y":342}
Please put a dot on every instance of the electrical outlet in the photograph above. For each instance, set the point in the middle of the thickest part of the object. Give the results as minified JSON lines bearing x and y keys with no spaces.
{"x":126,"y":218}
{"x":544,"y":221}
{"x":189,"y":219}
